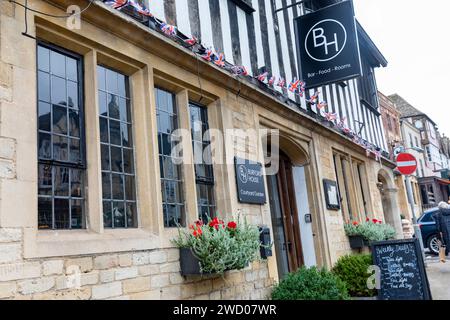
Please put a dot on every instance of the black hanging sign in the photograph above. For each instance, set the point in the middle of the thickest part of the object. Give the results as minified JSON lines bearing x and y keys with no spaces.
{"x":250,"y":181}
{"x":402,"y":270}
{"x":327,"y":45}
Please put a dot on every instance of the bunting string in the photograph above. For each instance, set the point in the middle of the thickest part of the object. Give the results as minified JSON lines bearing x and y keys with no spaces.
{"x":295,"y":86}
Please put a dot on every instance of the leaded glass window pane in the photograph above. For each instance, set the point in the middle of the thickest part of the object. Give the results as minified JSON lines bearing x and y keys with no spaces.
{"x":117,"y":151}
{"x":61,"y":162}
{"x":171,"y":177}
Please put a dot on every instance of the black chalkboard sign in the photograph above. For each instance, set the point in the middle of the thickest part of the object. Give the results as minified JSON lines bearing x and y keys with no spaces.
{"x":403,"y":275}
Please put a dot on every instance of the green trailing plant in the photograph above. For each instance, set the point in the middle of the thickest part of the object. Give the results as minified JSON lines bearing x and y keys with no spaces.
{"x":310,"y":284}
{"x":370,"y":230}
{"x":352,"y":270}
{"x":220,"y":245}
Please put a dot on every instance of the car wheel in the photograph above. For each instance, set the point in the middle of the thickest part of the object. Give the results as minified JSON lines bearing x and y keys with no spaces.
{"x":434,"y":244}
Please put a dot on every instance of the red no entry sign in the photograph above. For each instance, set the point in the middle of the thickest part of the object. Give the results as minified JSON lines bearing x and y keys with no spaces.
{"x":406,"y":163}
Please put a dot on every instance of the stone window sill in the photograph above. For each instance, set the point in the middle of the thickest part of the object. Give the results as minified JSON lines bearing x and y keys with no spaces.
{"x":43,"y":244}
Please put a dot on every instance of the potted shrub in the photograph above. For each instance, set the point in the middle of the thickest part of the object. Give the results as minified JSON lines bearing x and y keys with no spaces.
{"x":310,"y":284}
{"x":360,"y":234}
{"x":217,"y":246}
{"x":352,"y":270}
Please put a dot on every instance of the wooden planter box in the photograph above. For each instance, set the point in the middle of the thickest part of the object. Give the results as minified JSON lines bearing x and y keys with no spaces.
{"x":357,"y":242}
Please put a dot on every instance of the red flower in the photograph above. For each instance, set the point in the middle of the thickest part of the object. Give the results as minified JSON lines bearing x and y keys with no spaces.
{"x":380,"y":222}
{"x":198,"y":223}
{"x":374,"y":220}
{"x":232,"y":225}
{"x":197,"y":232}
{"x":214,"y":223}
{"x":367,"y":219}
{"x":355,"y":223}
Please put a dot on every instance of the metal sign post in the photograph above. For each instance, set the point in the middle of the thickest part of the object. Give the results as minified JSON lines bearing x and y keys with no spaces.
{"x":417,"y":231}
{"x":407,"y":165}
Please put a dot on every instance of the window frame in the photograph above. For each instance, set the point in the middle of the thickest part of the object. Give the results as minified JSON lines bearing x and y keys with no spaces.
{"x":131,"y":136}
{"x":368,"y":91}
{"x":52,"y":163}
{"x":354,"y":191}
{"x":203,"y":182}
{"x":81,"y":99}
{"x":181,"y":181}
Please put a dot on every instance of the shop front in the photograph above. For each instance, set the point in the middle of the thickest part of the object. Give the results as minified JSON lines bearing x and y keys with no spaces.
{"x":93,"y":191}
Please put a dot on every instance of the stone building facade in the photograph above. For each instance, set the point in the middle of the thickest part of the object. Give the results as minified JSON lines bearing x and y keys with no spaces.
{"x":391,"y":123}
{"x":400,"y":133}
{"x":434,"y":187}
{"x":44,"y":256}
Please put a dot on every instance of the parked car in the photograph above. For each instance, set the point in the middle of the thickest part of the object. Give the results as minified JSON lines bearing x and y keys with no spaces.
{"x":430,"y":234}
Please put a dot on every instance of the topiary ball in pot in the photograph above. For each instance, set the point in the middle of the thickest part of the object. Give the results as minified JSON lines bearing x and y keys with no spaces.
{"x":352,"y":270}
{"x":310,"y":284}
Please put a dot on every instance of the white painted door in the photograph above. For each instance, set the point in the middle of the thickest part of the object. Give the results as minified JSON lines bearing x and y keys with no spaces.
{"x":306,"y":232}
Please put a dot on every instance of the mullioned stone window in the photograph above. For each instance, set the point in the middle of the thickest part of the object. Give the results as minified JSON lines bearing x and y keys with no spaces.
{"x":204,"y":175}
{"x":61,"y":159}
{"x":170,"y":171}
{"x":117,"y":153}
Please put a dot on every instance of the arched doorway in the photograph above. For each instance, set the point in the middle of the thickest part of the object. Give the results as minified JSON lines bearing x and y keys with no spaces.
{"x":391,"y":211}
{"x":289,"y":206}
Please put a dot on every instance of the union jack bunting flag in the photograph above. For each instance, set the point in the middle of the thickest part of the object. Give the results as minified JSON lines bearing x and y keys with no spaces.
{"x":191,"y":41}
{"x":302,"y":86}
{"x":272,"y":80}
{"x":117,"y":4}
{"x":262,"y":77}
{"x":321,"y":105}
{"x":219,"y":60}
{"x":294,"y":85}
{"x":314,"y":98}
{"x":357,"y":139}
{"x":341,"y":123}
{"x":140,"y":8}
{"x":168,"y":29}
{"x":239,"y":70}
{"x":330,"y":116}
{"x":208,"y":55}
{"x":281,"y":83}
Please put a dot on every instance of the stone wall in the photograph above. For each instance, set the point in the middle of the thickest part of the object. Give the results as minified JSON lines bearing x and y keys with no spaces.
{"x":134,"y":275}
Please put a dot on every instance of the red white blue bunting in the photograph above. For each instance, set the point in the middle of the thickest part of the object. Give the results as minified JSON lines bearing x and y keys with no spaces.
{"x":296,"y":86}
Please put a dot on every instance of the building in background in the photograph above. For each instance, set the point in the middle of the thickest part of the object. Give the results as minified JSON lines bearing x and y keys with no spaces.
{"x":391,"y":123}
{"x":401,"y":133}
{"x":433,"y":181}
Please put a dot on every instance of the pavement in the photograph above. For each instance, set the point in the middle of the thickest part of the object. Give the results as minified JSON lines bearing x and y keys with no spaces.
{"x":439,"y":277}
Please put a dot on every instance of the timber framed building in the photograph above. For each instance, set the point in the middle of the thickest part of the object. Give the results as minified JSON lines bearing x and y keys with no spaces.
{"x":86,"y":117}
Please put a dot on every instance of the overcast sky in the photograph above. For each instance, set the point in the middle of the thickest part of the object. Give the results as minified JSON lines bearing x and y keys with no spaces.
{"x":414,"y":37}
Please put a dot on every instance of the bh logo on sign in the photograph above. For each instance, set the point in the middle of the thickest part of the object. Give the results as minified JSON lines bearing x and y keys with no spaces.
{"x":243,"y":175}
{"x":326,"y":40}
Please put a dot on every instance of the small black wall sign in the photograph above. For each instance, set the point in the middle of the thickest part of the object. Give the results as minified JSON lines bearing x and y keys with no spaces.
{"x":327,"y":45}
{"x":250,"y":181}
{"x":331,"y":195}
{"x":402,"y":270}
